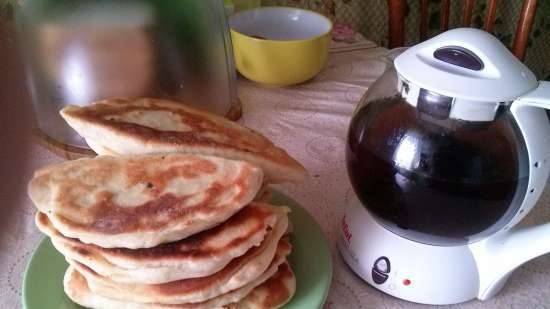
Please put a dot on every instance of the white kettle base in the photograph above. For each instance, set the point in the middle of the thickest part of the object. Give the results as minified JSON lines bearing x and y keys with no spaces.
{"x":409,"y":270}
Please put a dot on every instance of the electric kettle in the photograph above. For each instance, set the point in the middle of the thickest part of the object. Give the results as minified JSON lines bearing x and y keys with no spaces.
{"x":446,"y":153}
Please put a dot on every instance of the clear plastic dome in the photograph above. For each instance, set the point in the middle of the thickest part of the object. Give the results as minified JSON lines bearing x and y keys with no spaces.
{"x":82,"y":51}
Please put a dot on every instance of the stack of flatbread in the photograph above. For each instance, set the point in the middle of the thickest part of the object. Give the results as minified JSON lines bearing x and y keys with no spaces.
{"x":171,"y":214}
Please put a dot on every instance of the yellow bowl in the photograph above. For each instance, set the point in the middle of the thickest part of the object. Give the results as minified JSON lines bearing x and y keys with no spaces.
{"x":280,"y":46}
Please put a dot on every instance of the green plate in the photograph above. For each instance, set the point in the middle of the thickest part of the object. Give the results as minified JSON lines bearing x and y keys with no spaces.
{"x":310,"y":260}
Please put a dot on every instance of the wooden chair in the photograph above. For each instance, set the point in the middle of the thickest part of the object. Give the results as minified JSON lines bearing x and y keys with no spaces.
{"x":397,"y":8}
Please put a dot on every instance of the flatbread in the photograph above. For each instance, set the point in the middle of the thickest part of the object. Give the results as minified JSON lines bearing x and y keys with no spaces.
{"x":77,"y":289}
{"x":273,"y":293}
{"x":157,"y":126}
{"x":200,"y":255}
{"x":99,"y":149}
{"x":264,"y":194}
{"x":142,"y":201}
{"x":236,"y":274}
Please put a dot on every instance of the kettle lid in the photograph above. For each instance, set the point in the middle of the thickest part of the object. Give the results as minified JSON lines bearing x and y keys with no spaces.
{"x":466,"y":63}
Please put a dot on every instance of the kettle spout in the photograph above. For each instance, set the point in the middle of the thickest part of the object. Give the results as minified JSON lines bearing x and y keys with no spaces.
{"x":497,"y":256}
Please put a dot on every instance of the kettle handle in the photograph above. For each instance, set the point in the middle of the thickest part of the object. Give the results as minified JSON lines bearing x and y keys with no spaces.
{"x":535,"y":128}
{"x":498,"y":255}
{"x":539,"y":97}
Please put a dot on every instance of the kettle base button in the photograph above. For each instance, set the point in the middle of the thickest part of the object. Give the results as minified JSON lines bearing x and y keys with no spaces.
{"x":379,"y":278}
{"x":381,"y":270}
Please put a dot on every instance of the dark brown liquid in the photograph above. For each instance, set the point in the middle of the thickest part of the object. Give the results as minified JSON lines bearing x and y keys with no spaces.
{"x":438,"y":182}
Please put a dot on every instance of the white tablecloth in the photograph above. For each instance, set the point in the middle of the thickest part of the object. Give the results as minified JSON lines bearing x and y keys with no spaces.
{"x":310,"y":122}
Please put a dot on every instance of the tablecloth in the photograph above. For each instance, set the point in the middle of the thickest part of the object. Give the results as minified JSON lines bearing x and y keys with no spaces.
{"x":309,"y":121}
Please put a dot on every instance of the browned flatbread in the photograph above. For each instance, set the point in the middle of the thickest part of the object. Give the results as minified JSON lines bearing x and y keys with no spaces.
{"x":199,"y":255}
{"x":124,"y":127}
{"x":142,"y":201}
{"x":236,"y":274}
{"x":77,"y":289}
{"x":273,"y":293}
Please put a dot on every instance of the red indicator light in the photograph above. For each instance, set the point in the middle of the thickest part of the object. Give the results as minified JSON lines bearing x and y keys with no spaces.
{"x":406,"y":282}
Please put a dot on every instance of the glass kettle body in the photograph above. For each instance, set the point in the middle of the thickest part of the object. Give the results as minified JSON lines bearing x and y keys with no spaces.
{"x":430,"y":178}
{"x":447,"y":152}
